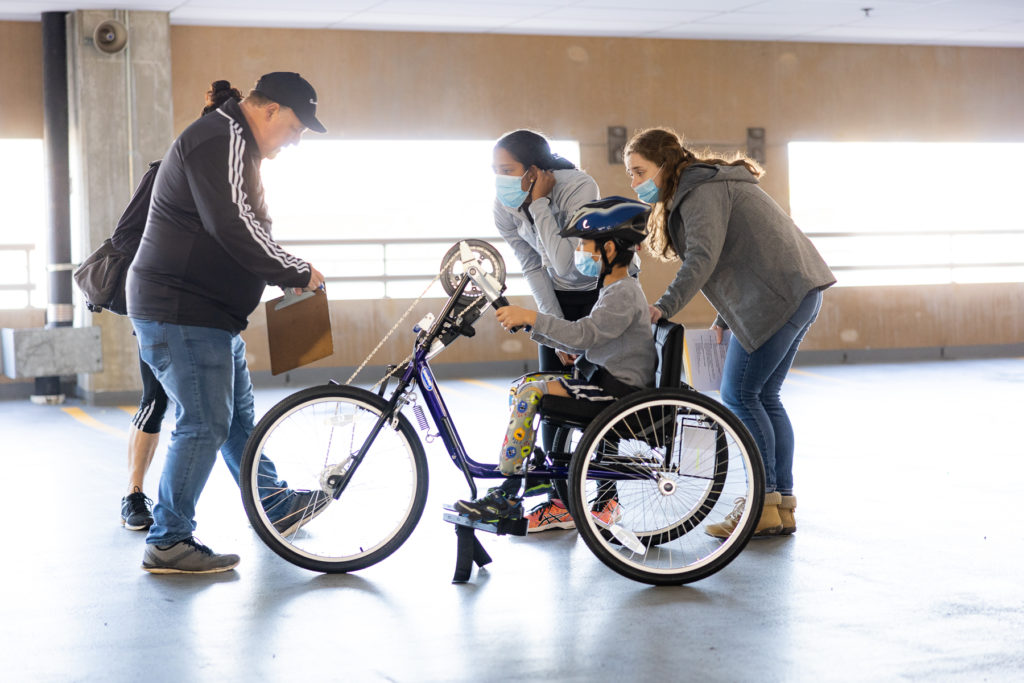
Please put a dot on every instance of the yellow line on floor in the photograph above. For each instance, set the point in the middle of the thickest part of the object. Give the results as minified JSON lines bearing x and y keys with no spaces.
{"x":92,"y":422}
{"x":131,"y":410}
{"x":485,"y":385}
{"x":448,"y":386}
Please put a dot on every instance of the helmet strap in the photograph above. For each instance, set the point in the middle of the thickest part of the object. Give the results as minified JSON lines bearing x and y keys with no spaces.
{"x":606,"y":265}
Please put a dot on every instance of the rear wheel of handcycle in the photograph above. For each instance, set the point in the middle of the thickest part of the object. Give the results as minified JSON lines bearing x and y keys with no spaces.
{"x":308,"y":441}
{"x":674,"y":461}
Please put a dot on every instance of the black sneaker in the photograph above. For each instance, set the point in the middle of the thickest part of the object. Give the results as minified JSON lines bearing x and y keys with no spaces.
{"x":186,"y":557}
{"x":535,"y":487}
{"x":136,"y":511}
{"x":491,"y":508}
{"x":303,"y":506}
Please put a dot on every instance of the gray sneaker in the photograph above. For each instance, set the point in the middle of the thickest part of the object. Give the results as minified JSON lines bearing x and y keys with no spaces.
{"x":303,"y":506}
{"x":186,"y":557}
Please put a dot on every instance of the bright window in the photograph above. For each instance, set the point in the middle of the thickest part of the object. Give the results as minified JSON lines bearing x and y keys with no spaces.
{"x":377,"y":216}
{"x":23,"y":239}
{"x":885,"y":213}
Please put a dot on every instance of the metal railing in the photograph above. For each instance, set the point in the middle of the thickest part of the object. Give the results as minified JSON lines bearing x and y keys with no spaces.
{"x":1001,"y":260}
{"x":386,"y":261}
{"x":382,"y":273}
{"x":380,"y":270}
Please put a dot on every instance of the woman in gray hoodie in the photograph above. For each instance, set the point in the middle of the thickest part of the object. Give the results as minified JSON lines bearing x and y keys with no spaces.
{"x":759,"y":271}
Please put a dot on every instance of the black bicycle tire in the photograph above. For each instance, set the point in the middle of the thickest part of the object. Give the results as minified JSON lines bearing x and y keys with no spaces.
{"x":592,"y":535}
{"x":283,"y":548}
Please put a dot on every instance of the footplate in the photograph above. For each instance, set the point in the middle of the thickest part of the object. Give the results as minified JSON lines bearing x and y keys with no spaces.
{"x":513,"y":526}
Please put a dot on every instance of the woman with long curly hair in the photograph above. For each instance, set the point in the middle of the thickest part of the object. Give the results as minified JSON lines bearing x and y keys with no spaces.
{"x":760,"y":272}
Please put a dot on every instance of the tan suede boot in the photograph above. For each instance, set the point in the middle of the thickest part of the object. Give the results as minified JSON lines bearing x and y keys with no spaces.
{"x":770,"y":523}
{"x":786,"y":508}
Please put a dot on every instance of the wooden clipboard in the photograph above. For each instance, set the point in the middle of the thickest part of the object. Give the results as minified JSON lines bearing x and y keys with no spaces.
{"x":298,"y":330}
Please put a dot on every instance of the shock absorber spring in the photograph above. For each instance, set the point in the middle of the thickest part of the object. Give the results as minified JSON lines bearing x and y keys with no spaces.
{"x":421,"y":419}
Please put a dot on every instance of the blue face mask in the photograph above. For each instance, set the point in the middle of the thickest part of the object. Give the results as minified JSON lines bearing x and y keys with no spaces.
{"x":586,"y":264}
{"x":509,"y":189}
{"x":647,"y":191}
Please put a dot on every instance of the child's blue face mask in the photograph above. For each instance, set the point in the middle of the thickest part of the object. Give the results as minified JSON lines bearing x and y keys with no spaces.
{"x":586,"y":264}
{"x":509,"y":189}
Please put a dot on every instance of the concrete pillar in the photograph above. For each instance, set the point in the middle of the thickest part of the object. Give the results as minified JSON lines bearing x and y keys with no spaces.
{"x":120,"y":119}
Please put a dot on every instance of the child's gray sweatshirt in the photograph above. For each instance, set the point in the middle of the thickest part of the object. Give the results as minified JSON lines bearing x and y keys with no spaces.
{"x":616,"y":335}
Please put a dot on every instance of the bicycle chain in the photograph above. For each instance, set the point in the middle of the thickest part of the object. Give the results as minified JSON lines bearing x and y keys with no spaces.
{"x":444,"y":267}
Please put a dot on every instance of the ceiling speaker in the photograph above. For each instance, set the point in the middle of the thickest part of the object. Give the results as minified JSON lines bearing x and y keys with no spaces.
{"x":110,"y":37}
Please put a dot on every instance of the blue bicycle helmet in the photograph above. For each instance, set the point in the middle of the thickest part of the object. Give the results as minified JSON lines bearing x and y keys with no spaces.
{"x":618,"y":218}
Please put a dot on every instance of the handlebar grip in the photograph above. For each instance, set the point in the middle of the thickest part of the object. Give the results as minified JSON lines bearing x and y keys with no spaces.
{"x":501,"y":302}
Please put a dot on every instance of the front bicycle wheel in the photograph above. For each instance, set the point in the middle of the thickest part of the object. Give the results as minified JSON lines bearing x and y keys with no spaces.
{"x":652,"y":472}
{"x":293,"y":463}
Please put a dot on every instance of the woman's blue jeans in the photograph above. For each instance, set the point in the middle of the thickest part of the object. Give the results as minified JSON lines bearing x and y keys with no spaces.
{"x":751,"y":386}
{"x":204,"y":370}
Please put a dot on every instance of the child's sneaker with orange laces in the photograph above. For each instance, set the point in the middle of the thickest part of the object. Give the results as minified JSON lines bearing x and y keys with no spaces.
{"x":548,"y":516}
{"x":609,"y":513}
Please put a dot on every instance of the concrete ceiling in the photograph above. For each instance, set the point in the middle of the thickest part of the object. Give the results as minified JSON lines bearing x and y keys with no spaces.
{"x":994,"y":23}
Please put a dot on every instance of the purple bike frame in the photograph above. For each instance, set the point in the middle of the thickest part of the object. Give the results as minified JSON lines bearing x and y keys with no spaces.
{"x":419,"y":369}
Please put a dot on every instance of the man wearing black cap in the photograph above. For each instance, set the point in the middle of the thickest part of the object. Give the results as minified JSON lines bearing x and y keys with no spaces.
{"x":205,"y":258}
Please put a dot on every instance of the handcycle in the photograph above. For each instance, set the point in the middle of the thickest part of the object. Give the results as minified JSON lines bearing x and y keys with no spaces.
{"x":673,"y":459}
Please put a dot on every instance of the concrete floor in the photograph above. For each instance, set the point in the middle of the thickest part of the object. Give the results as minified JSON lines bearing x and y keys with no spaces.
{"x":907,"y":564}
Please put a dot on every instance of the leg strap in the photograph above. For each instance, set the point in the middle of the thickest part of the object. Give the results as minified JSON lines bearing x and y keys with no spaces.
{"x":469,"y":550}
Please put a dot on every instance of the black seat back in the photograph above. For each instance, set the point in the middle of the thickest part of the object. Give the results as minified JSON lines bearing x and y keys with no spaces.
{"x":668,"y":340}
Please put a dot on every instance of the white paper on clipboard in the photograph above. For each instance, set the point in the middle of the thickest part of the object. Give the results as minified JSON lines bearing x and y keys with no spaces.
{"x":704,"y":358}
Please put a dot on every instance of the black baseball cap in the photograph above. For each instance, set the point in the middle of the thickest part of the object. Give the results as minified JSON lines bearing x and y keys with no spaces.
{"x":293,"y":91}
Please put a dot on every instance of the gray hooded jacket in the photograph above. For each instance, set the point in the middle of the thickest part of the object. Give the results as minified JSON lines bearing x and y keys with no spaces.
{"x":742,"y":251}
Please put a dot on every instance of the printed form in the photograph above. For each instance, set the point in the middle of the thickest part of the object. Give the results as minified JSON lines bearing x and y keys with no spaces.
{"x":704,"y":358}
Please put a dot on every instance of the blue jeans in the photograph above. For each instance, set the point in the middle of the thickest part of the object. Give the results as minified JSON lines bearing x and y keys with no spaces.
{"x":751,"y":383}
{"x":204,"y":370}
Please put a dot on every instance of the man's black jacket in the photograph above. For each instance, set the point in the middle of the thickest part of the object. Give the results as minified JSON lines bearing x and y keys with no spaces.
{"x":207,"y":253}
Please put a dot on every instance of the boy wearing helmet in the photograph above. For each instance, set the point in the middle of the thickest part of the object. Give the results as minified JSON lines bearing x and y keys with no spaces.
{"x":615,"y":342}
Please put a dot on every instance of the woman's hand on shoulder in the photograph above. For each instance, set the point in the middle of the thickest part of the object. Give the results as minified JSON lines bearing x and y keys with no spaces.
{"x":543,"y":182}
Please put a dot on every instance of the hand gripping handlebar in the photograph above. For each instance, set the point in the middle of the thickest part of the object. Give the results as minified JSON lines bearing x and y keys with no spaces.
{"x":490,"y":287}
